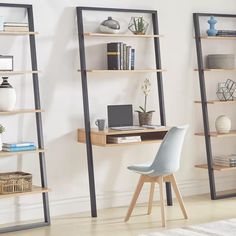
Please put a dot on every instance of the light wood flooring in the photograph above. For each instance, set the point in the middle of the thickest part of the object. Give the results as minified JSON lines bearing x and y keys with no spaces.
{"x":111,"y":221}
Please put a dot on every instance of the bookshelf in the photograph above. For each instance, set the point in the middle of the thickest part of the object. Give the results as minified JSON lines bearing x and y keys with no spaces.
{"x":43,"y":189}
{"x":207,"y":134}
{"x":85,"y":135}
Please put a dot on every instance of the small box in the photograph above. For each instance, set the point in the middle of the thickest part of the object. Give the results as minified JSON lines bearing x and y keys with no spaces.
{"x":6,"y":63}
{"x":221,"y":61}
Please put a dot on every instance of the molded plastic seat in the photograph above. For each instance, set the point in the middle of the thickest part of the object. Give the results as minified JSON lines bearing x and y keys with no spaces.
{"x":161,"y":170}
{"x":168,"y":156}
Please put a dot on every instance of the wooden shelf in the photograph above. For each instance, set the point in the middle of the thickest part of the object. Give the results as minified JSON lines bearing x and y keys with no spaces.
{"x":122,"y":35}
{"x":217,"y":70}
{"x":9,"y":73}
{"x":216,"y":167}
{"x":125,"y":71}
{"x":100,"y":138}
{"x":217,"y":102}
{"x":219,"y":37}
{"x":19,"y":111}
{"x":232,"y":133}
{"x":6,"y":154}
{"x":35,"y":190}
{"x":15,"y":33}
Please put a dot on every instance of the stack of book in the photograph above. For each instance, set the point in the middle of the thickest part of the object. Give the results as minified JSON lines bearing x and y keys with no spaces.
{"x":225,"y":160}
{"x":124,"y":139}
{"x":120,"y":56}
{"x":17,"y":147}
{"x":226,"y":33}
{"x":16,"y":27}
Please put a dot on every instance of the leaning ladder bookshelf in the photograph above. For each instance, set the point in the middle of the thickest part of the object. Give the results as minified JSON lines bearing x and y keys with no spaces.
{"x":205,"y":102}
{"x":43,"y":189}
{"x":84,"y":75}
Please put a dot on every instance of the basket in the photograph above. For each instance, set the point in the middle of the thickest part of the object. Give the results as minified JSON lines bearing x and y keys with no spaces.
{"x":15,"y":182}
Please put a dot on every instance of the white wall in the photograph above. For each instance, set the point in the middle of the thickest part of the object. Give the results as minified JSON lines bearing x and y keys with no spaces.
{"x":57,"y":48}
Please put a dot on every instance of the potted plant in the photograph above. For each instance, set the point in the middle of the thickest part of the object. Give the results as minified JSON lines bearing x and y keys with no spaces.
{"x":2,"y":129}
{"x":138,"y":25}
{"x":145,"y":116}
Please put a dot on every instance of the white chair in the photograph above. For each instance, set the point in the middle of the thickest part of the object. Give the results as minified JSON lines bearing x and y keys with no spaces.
{"x":161,"y":170}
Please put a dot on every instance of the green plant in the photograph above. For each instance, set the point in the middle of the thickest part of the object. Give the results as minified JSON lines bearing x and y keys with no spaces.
{"x":139,"y":24}
{"x":2,"y":129}
{"x":146,"y":88}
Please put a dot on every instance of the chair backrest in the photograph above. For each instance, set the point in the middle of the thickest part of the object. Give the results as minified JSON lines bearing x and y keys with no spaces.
{"x":167,"y":159}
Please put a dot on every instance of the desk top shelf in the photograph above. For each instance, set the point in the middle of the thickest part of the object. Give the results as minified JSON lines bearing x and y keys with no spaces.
{"x":100,"y":138}
{"x":122,"y":35}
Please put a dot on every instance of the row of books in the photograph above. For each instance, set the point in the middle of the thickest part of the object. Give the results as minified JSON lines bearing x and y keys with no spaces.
{"x":120,"y":56}
{"x":15,"y":27}
{"x":225,"y":160}
{"x":226,"y":33}
{"x":124,"y":139}
{"x":17,"y":147}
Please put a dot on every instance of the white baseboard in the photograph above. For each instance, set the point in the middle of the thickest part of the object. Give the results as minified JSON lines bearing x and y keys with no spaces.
{"x":24,"y":212}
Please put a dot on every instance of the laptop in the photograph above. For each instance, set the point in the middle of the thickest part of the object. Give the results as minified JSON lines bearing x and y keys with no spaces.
{"x":120,"y":117}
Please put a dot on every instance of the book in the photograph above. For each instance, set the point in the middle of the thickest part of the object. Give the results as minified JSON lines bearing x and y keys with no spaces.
{"x":113,"y":56}
{"x":18,"y":149}
{"x":132,"y":59}
{"x":18,"y":24}
{"x":16,"y":28}
{"x":124,"y":139}
{"x":121,"y":56}
{"x":226,"y":33}
{"x":124,"y":56}
{"x":128,"y":58}
{"x":20,"y":144}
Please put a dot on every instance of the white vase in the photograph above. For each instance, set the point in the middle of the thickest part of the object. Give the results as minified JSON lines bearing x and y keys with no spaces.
{"x":7,"y":96}
{"x":223,"y":124}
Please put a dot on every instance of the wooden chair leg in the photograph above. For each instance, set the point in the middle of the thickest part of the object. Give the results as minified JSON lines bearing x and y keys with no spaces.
{"x":163,"y":218}
{"x":135,"y":197}
{"x":178,"y":195}
{"x":151,"y":198}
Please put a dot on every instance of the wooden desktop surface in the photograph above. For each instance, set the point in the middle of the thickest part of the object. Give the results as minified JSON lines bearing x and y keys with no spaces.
{"x":100,"y":138}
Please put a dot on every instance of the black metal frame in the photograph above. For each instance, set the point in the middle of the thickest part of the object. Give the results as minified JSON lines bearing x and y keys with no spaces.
{"x":79,"y":11}
{"x":201,"y":74}
{"x":42,"y":163}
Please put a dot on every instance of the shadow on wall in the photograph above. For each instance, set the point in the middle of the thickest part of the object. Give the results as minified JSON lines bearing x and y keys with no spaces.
{"x":62,"y":63}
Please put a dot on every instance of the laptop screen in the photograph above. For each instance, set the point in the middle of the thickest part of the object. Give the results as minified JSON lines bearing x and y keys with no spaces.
{"x":120,"y":115}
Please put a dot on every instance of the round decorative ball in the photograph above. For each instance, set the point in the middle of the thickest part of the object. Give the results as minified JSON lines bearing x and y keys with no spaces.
{"x":223,"y":124}
{"x":110,"y":26}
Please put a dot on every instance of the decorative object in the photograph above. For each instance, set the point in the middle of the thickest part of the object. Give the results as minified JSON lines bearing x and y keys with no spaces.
{"x":6,"y":63}
{"x":2,"y":129}
{"x":138,"y":25}
{"x":15,"y":182}
{"x":221,"y":61}
{"x":100,"y":123}
{"x":212,"y":22}
{"x":219,"y":228}
{"x":145,"y":117}
{"x":7,"y":96}
{"x":1,"y":23}
{"x":223,"y":124}
{"x":110,"y":26}
{"x":226,"y":90}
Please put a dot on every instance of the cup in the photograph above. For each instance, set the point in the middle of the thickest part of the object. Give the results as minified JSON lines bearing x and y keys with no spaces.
{"x":100,"y":123}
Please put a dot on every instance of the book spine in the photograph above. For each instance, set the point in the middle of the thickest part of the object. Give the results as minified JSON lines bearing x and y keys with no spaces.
{"x":113,"y":56}
{"x":128,"y":57}
{"x":124,"y":56}
{"x":17,"y":149}
{"x":121,"y":57}
{"x":132,"y":58}
{"x":13,"y":145}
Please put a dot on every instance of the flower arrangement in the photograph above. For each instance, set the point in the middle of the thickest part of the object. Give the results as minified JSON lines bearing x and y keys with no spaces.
{"x":145,"y":116}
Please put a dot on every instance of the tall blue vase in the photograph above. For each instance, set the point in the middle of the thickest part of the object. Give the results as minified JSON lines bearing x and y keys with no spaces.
{"x":212,"y":22}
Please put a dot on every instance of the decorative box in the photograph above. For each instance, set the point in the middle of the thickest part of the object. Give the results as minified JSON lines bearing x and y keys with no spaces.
{"x":221,"y":61}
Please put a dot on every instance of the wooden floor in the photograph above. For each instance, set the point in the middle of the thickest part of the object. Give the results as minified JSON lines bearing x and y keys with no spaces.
{"x":111,"y":221}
